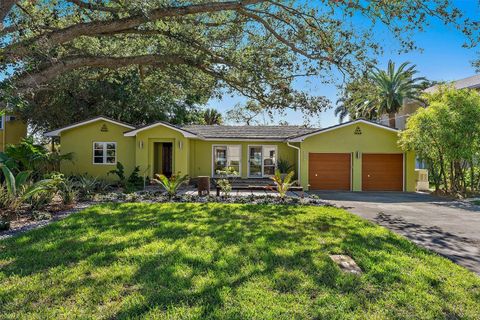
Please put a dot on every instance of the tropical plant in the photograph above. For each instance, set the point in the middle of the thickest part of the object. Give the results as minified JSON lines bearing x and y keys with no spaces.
{"x":212,"y":116}
{"x":283,"y":185}
{"x":28,"y":156}
{"x":225,"y":186}
{"x":358,"y":100}
{"x":394,"y":86}
{"x":88,"y":186}
{"x":68,"y":191}
{"x":19,"y":190}
{"x":172,"y":184}
{"x":284,"y":166}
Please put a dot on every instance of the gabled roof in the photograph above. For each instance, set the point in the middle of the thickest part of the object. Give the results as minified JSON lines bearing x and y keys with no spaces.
{"x":56,"y":133}
{"x":186,"y":133}
{"x":465,"y":83}
{"x":272,"y":133}
{"x":302,"y":137}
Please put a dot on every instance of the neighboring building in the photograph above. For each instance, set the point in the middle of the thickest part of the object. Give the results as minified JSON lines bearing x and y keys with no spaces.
{"x":409,"y":107}
{"x":12,"y":131}
{"x":358,"y":155}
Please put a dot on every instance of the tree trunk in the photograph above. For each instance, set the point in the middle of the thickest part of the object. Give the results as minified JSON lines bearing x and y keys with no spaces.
{"x":391,"y":119}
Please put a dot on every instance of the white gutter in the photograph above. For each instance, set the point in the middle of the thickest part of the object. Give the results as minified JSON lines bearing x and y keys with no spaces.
{"x":298,"y":160}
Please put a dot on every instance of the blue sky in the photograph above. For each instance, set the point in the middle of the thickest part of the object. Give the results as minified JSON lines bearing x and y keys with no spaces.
{"x":442,"y":58}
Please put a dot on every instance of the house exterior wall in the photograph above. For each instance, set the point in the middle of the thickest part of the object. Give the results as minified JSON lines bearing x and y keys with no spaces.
{"x":202,"y":153}
{"x":403,"y":114}
{"x":79,"y":140}
{"x":344,"y":140}
{"x":14,"y":131}
{"x":194,"y":156}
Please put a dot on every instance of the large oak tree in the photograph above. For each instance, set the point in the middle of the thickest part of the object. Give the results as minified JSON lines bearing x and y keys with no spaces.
{"x":256,"y":48}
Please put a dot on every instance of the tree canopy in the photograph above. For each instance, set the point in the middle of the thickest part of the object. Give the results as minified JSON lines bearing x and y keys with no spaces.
{"x":256,"y":48}
{"x":447,"y":136}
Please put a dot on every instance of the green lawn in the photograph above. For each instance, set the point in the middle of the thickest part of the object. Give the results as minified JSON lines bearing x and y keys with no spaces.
{"x":204,"y":261}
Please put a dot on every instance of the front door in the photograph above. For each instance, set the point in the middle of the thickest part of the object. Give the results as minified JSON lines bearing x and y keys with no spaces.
{"x":167,"y":159}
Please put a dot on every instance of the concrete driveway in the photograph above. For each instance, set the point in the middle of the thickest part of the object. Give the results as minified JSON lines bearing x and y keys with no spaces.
{"x":450,"y":228}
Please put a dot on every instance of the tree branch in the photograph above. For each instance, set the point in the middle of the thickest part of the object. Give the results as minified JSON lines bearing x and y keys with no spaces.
{"x":5,"y":7}
{"x":49,"y":72}
{"x":20,"y":49}
{"x":93,"y":7}
{"x":280,"y":38}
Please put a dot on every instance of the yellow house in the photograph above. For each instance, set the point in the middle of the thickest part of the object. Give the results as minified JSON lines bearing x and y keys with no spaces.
{"x":12,"y":131}
{"x":356,"y":156}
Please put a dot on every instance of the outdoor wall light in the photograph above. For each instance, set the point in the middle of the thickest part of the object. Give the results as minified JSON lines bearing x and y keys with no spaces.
{"x":140,"y":144}
{"x":357,"y":154}
{"x":180,"y":145}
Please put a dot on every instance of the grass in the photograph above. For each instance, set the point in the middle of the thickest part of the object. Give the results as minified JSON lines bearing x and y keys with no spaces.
{"x":217,"y":261}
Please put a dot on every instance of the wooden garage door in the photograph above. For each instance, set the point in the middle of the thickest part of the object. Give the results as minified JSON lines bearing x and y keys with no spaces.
{"x":329,"y":171}
{"x":382,"y":172}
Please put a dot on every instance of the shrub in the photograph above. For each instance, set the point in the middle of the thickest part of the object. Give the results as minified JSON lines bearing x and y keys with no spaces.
{"x":171,"y":185}
{"x":225,"y":186}
{"x":134,"y":181}
{"x":28,"y":156}
{"x":4,"y":225}
{"x":284,"y":166}
{"x":40,"y":215}
{"x":88,"y":186}
{"x":283,"y":185}
{"x":68,"y":192}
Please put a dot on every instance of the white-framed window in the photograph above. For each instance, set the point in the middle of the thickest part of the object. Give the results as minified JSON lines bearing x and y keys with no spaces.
{"x":262,"y":160}
{"x":227,"y":157}
{"x":105,"y":153}
{"x":2,"y":122}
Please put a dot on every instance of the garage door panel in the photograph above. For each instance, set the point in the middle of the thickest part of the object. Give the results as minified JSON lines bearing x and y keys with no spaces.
{"x":382,"y":172}
{"x":329,"y":171}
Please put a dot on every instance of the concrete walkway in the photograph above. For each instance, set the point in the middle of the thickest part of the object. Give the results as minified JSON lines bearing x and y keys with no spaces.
{"x":450,"y":228}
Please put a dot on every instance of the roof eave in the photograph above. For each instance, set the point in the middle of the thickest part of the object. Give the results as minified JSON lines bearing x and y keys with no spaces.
{"x":186,"y":134}
{"x":305,"y":136}
{"x":57,"y":132}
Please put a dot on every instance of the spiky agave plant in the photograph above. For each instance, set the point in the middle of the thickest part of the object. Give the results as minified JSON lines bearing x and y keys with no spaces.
{"x":19,"y":188}
{"x":283,"y":185}
{"x":171,"y":185}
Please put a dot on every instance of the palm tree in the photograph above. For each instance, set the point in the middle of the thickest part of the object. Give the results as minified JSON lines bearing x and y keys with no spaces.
{"x":358,"y":100}
{"x":212,"y":116}
{"x":355,"y":109}
{"x":394,"y":86}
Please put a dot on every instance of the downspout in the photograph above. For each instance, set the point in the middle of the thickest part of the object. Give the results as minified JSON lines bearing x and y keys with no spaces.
{"x":298,"y":160}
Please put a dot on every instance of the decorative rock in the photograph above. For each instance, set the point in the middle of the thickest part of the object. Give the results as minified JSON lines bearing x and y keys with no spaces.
{"x":346,"y":264}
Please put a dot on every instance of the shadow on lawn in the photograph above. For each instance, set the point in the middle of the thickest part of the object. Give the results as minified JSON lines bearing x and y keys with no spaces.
{"x":175,"y":276}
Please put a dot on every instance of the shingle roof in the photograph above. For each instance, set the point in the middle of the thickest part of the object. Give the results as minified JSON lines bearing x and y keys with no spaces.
{"x":247,"y":132}
{"x":466,"y":83}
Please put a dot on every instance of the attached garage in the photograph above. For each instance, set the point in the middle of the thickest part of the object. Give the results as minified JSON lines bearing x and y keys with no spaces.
{"x":330,"y":171}
{"x":382,"y":172}
{"x":359,"y":156}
